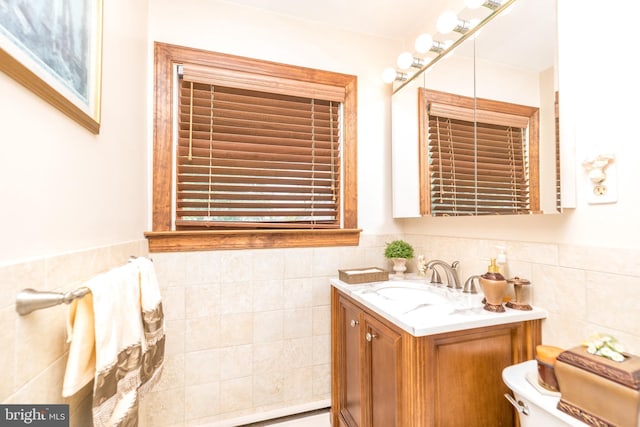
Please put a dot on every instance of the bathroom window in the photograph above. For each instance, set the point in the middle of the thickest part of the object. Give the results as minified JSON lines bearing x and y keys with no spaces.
{"x":477,"y":156}
{"x":251,"y":154}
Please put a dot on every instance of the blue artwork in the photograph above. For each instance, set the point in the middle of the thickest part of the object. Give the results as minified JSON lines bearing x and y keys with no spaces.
{"x":58,"y":35}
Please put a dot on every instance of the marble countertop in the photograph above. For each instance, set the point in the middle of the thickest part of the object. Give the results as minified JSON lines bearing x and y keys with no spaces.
{"x":421,"y":308}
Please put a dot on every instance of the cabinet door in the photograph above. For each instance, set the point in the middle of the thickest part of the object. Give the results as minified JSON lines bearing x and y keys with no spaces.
{"x":467,"y":372}
{"x":350,"y":318}
{"x":382,"y":353}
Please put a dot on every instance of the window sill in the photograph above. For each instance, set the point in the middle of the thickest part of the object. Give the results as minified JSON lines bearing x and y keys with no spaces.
{"x":205,"y":240}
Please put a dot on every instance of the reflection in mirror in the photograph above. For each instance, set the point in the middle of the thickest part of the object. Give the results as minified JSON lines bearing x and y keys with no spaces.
{"x":484,"y":68}
{"x":478,"y":152}
{"x":515,"y":61}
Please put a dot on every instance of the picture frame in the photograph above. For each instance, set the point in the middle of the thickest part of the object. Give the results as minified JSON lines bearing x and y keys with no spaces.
{"x":54,"y":49}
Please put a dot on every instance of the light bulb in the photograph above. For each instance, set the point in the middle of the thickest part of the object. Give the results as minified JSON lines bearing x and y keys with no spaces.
{"x":423,"y":43}
{"x":389,"y":75}
{"x":405,"y":60}
{"x":447,"y":22}
{"x":473,"y":4}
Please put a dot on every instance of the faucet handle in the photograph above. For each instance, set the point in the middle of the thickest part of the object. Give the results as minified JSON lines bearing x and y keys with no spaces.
{"x":469,"y":285}
{"x":454,"y":274}
{"x":435,"y":277}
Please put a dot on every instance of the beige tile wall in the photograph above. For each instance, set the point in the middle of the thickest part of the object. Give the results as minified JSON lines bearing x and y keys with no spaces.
{"x":584,"y":289}
{"x":248,"y":331}
{"x":34,"y":351}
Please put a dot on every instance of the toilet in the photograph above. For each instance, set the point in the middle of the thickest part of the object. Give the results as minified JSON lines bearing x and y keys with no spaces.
{"x":536,"y":407}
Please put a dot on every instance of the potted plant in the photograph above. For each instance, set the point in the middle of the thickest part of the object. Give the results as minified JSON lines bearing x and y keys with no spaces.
{"x":399,"y":252}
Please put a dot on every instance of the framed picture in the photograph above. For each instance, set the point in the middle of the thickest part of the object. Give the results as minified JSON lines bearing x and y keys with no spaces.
{"x":54,"y":48}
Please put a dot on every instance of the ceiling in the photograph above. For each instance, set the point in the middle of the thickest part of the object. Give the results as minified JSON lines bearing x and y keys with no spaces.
{"x":392,"y":19}
{"x":403,"y":20}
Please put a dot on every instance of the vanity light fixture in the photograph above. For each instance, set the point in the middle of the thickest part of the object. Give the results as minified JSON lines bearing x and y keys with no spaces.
{"x":490,"y":4}
{"x":390,"y":75}
{"x":449,"y":21}
{"x":425,"y":43}
{"x":407,"y":60}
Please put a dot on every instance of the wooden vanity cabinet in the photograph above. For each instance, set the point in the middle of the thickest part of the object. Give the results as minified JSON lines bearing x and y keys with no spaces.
{"x":383,"y":376}
{"x":368,"y":367}
{"x":349,"y":319}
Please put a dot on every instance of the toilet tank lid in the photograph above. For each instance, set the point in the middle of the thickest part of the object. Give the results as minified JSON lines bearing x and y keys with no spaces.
{"x":514,"y":376}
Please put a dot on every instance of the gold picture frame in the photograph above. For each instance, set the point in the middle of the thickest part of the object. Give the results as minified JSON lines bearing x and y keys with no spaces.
{"x":54,"y":48}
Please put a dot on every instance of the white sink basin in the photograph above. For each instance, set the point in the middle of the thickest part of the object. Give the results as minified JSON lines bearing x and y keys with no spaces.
{"x":406,"y":297}
{"x":413,"y":295}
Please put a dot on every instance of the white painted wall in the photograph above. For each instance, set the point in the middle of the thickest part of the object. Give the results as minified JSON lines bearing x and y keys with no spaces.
{"x":63,"y":188}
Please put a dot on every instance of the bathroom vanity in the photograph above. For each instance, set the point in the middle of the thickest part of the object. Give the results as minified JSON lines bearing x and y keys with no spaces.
{"x":410,"y":354}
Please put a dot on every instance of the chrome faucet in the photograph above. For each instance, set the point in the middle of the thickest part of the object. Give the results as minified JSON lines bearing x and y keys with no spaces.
{"x":451,"y":272}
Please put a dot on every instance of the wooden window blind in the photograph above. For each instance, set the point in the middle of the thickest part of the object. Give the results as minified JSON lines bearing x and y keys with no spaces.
{"x":231,"y":193}
{"x":477,"y":159}
{"x":252,"y":153}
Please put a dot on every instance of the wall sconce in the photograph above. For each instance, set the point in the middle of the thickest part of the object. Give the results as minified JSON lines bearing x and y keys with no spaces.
{"x":390,"y":75}
{"x":597,"y":169}
{"x":449,"y":21}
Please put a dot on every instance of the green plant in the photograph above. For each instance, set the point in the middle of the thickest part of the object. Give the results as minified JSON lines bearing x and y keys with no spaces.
{"x":398,"y":249}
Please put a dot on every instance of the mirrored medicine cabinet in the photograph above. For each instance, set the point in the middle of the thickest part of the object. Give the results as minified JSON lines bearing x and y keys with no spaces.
{"x":509,"y":62}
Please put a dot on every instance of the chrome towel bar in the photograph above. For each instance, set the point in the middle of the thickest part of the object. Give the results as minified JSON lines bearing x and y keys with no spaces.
{"x":29,"y":300}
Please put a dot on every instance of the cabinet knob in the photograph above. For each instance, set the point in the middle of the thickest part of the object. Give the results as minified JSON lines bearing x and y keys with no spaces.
{"x":354,"y":323}
{"x":370,"y":337}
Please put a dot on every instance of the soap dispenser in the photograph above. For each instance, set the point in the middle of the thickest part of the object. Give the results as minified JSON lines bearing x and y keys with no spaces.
{"x":494,"y":286}
{"x":501,"y":261}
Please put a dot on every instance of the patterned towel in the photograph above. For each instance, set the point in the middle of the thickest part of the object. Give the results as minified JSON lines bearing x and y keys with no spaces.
{"x":129,"y":341}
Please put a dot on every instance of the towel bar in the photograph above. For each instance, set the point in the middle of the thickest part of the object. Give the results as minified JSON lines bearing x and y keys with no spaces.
{"x":29,"y":300}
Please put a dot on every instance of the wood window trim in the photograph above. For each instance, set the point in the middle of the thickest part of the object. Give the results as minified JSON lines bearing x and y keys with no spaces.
{"x":162,"y":238}
{"x":485,"y":105}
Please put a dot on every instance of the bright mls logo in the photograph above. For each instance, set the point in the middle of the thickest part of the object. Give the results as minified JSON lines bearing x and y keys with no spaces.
{"x":34,"y":415}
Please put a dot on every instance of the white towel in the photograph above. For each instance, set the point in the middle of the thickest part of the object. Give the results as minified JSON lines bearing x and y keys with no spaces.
{"x":81,"y":364}
{"x":129,"y":341}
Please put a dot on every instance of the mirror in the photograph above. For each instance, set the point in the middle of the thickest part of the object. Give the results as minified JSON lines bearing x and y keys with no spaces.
{"x":512,"y":58}
{"x":519,"y":49}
